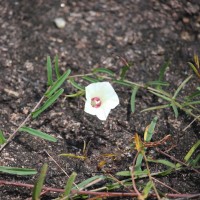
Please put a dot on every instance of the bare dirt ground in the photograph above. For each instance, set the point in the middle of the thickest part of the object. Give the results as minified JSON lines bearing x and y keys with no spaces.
{"x":146,"y":33}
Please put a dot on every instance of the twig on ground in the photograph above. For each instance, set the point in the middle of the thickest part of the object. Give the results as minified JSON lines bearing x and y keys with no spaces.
{"x":104,"y":194}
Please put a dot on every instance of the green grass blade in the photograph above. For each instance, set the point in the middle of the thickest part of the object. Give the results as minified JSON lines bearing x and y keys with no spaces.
{"x":138,"y":164}
{"x":39,"y":184}
{"x":181,"y":86}
{"x":191,"y":151}
{"x":175,"y":109}
{"x":194,"y":69}
{"x":124,"y":83}
{"x":58,"y":83}
{"x":193,"y":95}
{"x":79,"y":93}
{"x":196,"y":160}
{"x":162,"y":161}
{"x":156,"y":108}
{"x":57,"y":67}
{"x":48,"y":103}
{"x":124,"y":70}
{"x":161,"y":96}
{"x":2,"y":138}
{"x":49,"y":72}
{"x":137,"y":174}
{"x":133,"y":95}
{"x":150,"y":131}
{"x":38,"y":134}
{"x":18,"y":171}
{"x":162,"y":72}
{"x":69,"y":185}
{"x":76,"y":85}
{"x":88,"y":182}
{"x":147,"y":189}
{"x":104,"y":70}
{"x":90,"y":79}
{"x":157,"y":83}
{"x":192,"y":103}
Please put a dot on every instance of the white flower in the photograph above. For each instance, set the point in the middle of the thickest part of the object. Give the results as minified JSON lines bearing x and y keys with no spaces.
{"x":100,"y":99}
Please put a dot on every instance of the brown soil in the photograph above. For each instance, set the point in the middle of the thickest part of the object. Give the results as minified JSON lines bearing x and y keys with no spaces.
{"x":146,"y":33}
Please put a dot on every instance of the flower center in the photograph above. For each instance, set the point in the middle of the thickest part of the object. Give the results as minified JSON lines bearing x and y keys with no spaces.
{"x":96,"y":102}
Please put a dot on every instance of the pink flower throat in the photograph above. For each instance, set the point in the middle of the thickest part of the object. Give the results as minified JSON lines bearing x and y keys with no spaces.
{"x":96,"y":102}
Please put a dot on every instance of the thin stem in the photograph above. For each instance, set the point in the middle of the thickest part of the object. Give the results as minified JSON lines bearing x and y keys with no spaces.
{"x":104,"y":194}
{"x":150,"y":177}
{"x":173,"y":158}
{"x":22,"y":124}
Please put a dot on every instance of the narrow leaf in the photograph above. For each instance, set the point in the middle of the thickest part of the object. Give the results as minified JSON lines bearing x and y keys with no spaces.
{"x":17,"y":171}
{"x":69,"y":185}
{"x":150,"y":130}
{"x":38,"y":133}
{"x":137,"y":173}
{"x":147,"y":189}
{"x":157,"y":83}
{"x":124,"y":83}
{"x":57,"y":67}
{"x":164,"y":162}
{"x":138,"y":165}
{"x":191,"y":151}
{"x":174,"y":107}
{"x":48,"y":103}
{"x":58,"y":83}
{"x":2,"y":138}
{"x":181,"y":86}
{"x":73,"y":156}
{"x":162,"y":72}
{"x":193,"y":95}
{"x":86,"y":183}
{"x":39,"y":184}
{"x":156,"y":108}
{"x":79,"y":93}
{"x":76,"y":85}
{"x":124,"y":70}
{"x":194,"y":69}
{"x":161,"y":96}
{"x":90,"y":79}
{"x":104,"y":70}
{"x":49,"y":72}
{"x":133,"y":95}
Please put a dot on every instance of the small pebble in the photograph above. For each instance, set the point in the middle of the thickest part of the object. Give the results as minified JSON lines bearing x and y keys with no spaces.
{"x":59,"y":22}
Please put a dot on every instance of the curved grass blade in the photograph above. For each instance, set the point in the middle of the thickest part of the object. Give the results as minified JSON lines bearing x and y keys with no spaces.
{"x":191,"y":151}
{"x":194,"y":69}
{"x":181,"y":86}
{"x":90,"y":79}
{"x":76,"y":85}
{"x":49,"y":72}
{"x":147,"y":189}
{"x":2,"y":138}
{"x":156,"y":107}
{"x":58,"y":83}
{"x":48,"y":103}
{"x":175,"y":109}
{"x":193,"y":95}
{"x":90,"y":181}
{"x":69,"y":185}
{"x":124,"y":70}
{"x":18,"y":171}
{"x":192,"y":103}
{"x":162,"y":72}
{"x":104,"y":70}
{"x":38,"y":134}
{"x":164,"y":162}
{"x":133,"y":95}
{"x":39,"y":184}
{"x":150,"y":130}
{"x":57,"y":67}
{"x":79,"y":93}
